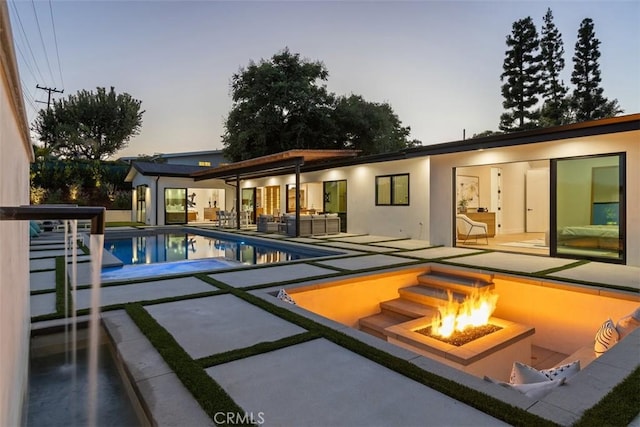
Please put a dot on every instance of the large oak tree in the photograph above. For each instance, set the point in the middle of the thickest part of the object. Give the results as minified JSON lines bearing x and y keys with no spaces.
{"x":282,"y":104}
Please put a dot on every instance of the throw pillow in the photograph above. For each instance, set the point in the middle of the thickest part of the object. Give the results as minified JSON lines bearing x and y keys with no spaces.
{"x":532,"y":390}
{"x":284,"y":296}
{"x":537,"y":390}
{"x":562,"y":371}
{"x":606,"y":337}
{"x":628,"y":323}
{"x":525,"y":374}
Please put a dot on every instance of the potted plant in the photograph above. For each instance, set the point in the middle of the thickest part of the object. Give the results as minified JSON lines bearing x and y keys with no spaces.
{"x":462,"y":205}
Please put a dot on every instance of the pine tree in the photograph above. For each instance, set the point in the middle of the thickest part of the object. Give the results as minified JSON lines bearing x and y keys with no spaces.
{"x":554,"y":109}
{"x":588,"y":102}
{"x":522,"y":74}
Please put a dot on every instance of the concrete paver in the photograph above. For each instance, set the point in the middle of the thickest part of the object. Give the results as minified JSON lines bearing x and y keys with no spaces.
{"x":42,"y":280}
{"x":357,"y":247}
{"x":43,"y":304}
{"x":260,"y":276}
{"x":42,"y":264}
{"x":599,"y":272}
{"x":365,"y":261}
{"x":368,"y":238}
{"x":51,"y":253}
{"x":405,"y":244}
{"x":512,"y":262}
{"x":171,"y":403}
{"x":211,"y":325}
{"x":338,"y":388}
{"x":145,"y":291}
{"x":439,"y":252}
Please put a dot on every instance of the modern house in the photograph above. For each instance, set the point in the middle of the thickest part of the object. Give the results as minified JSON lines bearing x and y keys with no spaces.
{"x":574,"y":185}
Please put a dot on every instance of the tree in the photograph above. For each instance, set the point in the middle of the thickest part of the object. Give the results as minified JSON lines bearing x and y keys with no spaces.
{"x":89,"y":125}
{"x":370,"y":127}
{"x":278,"y":105}
{"x":522,"y":74}
{"x":282,"y":104}
{"x":554,"y":109}
{"x":587,"y":101}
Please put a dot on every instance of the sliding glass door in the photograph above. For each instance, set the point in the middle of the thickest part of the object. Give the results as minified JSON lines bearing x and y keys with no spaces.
{"x":588,"y":208}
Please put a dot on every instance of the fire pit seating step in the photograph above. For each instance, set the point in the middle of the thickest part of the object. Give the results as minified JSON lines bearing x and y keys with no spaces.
{"x":459,"y":281}
{"x":400,"y":318}
{"x":422,"y":299}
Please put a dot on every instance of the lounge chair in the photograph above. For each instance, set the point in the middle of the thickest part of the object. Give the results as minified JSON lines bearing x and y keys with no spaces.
{"x":467,"y":228}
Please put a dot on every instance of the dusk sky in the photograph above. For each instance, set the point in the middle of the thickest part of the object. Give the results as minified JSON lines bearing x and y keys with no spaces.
{"x":438,"y":63}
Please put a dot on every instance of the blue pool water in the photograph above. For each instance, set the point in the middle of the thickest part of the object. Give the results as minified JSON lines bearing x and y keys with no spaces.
{"x":175,"y":253}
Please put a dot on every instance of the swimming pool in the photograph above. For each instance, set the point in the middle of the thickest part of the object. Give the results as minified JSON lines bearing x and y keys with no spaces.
{"x":179,"y":252}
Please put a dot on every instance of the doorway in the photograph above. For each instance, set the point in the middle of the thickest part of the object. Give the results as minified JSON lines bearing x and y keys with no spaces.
{"x":335,"y":200}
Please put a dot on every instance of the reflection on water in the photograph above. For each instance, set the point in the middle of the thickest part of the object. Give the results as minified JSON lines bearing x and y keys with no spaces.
{"x":54,"y":399}
{"x":177,"y":247}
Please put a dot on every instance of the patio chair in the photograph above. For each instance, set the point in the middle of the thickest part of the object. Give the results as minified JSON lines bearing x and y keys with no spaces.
{"x":467,"y":228}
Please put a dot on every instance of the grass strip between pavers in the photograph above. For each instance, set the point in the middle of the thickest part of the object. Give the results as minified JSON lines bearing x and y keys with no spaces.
{"x":208,"y":393}
{"x":618,"y":408}
{"x":263,"y":347}
{"x":60,"y":270}
{"x":485,"y":403}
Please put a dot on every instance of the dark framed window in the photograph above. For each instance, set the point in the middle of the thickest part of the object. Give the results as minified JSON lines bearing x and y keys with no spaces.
{"x":588,"y":208}
{"x":392,"y":190}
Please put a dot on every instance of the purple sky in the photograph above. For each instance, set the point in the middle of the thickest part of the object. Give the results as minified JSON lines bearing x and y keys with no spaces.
{"x":438,"y":63}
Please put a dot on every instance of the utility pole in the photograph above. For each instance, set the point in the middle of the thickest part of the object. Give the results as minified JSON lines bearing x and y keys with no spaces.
{"x":49,"y":90}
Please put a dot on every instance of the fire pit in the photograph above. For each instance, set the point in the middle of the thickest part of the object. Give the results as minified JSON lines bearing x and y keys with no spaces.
{"x":491,"y":355}
{"x":465,"y":336}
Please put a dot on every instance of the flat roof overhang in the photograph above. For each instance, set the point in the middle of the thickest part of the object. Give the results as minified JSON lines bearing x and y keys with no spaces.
{"x":271,"y":164}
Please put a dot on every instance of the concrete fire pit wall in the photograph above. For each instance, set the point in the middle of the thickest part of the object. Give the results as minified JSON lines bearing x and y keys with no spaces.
{"x":566,"y":316}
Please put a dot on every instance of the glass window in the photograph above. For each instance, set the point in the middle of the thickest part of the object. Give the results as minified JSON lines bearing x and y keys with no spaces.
{"x":392,"y":190}
{"x":175,"y":205}
{"x":589,"y":207}
{"x":203,"y":163}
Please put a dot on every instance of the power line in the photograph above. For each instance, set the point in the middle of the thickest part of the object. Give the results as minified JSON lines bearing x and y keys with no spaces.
{"x":26,"y":40}
{"x":44,"y":48}
{"x":55,"y":38}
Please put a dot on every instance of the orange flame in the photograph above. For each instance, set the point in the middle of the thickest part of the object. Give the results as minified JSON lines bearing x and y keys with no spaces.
{"x":475,"y":310}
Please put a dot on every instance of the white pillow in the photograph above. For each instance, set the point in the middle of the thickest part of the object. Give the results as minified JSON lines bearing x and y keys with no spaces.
{"x":525,"y":374}
{"x":606,"y":337}
{"x":532,"y":390}
{"x":284,"y":296}
{"x":628,"y":323}
{"x":562,"y":371}
{"x":537,"y":390}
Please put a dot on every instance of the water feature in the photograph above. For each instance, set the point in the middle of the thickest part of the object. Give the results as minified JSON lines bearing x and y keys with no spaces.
{"x":97,"y":217}
{"x":59,"y":390}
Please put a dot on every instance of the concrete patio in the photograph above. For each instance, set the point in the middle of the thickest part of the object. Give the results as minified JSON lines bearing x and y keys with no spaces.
{"x":313,"y":383}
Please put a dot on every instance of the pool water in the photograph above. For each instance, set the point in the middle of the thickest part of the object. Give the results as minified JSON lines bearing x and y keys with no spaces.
{"x":159,"y":248}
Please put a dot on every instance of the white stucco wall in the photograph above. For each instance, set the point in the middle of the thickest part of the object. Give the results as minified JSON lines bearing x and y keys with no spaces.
{"x":363,"y":216}
{"x":15,"y":155}
{"x":155,"y":199}
{"x":441,"y":209}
